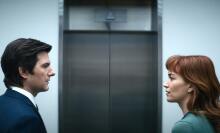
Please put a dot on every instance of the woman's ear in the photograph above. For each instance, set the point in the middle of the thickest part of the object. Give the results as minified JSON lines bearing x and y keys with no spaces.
{"x":191,"y":88}
{"x":23,"y":73}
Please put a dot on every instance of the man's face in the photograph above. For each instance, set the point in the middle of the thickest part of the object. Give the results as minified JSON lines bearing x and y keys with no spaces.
{"x":38,"y":81}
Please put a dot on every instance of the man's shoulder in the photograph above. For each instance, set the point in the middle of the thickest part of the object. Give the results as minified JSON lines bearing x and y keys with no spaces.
{"x":12,"y":96}
{"x":9,"y":100}
{"x":4,"y":99}
{"x":22,"y":120}
{"x":15,"y":107}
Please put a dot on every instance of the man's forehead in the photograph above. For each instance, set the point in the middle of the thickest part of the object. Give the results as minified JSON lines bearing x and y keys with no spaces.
{"x":43,"y":57}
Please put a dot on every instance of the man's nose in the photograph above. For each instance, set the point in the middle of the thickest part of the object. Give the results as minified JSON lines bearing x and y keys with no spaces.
{"x":51,"y":73}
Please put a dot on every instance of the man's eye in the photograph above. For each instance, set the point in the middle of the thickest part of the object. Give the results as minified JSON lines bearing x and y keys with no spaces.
{"x":46,"y":65}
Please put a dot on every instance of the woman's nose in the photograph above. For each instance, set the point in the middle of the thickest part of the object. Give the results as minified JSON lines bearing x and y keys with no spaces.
{"x":165,"y":84}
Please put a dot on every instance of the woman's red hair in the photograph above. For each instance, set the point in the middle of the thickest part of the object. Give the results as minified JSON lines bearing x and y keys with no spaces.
{"x":200,"y":73}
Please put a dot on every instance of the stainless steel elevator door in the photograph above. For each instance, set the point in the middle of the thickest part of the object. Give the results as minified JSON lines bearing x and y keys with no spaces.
{"x":85,"y":83}
{"x":133,"y":87}
{"x":109,"y":83}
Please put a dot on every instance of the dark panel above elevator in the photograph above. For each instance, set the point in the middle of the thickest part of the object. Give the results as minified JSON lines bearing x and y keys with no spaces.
{"x":109,"y":2}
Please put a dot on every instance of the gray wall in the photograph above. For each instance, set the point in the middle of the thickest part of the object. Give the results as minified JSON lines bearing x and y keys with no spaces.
{"x":189,"y":27}
{"x":34,"y":19}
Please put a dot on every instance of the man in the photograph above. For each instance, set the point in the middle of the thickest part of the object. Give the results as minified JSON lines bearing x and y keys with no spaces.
{"x":26,"y":67}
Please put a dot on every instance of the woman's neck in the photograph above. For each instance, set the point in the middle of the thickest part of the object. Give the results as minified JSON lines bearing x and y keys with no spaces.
{"x":183,"y":106}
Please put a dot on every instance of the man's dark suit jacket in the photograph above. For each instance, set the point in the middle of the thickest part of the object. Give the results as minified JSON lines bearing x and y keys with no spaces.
{"x":19,"y":115}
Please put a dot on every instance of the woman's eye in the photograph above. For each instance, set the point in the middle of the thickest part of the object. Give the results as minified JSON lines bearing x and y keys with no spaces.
{"x":171,"y":78}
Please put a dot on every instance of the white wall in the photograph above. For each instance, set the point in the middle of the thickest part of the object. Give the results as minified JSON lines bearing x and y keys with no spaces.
{"x":189,"y":27}
{"x":34,"y":19}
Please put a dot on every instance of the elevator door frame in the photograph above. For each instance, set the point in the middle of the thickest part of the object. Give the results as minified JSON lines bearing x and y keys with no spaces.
{"x":159,"y":56}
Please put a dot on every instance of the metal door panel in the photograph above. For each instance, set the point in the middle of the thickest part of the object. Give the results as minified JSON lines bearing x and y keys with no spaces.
{"x":133,"y":83}
{"x":110,"y":83}
{"x":86,"y":83}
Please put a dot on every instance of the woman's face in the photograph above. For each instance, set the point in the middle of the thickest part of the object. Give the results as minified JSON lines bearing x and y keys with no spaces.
{"x":177,"y":90}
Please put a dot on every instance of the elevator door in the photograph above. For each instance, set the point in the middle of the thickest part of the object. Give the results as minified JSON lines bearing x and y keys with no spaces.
{"x":109,"y":83}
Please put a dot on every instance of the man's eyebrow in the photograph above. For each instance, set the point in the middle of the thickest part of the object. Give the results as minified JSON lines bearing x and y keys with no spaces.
{"x":46,"y":64}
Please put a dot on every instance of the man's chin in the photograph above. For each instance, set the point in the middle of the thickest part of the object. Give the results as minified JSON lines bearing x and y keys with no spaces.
{"x":44,"y":89}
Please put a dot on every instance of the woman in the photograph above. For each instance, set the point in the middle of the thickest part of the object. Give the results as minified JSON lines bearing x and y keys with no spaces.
{"x":194,"y":85}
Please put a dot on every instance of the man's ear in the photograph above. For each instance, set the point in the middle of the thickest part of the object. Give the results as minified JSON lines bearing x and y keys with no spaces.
{"x":23,"y":73}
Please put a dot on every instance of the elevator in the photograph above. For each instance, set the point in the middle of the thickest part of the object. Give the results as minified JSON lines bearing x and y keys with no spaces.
{"x":109,"y":67}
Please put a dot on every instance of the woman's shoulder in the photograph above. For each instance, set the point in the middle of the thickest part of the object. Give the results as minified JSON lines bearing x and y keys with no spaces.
{"x":183,"y":127}
{"x":195,"y":119}
{"x":193,"y":123}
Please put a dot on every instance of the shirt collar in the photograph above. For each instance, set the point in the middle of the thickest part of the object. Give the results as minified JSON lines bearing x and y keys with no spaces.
{"x":25,"y":93}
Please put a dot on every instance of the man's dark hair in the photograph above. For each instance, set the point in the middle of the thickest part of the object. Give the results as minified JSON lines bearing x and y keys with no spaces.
{"x":21,"y":53}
